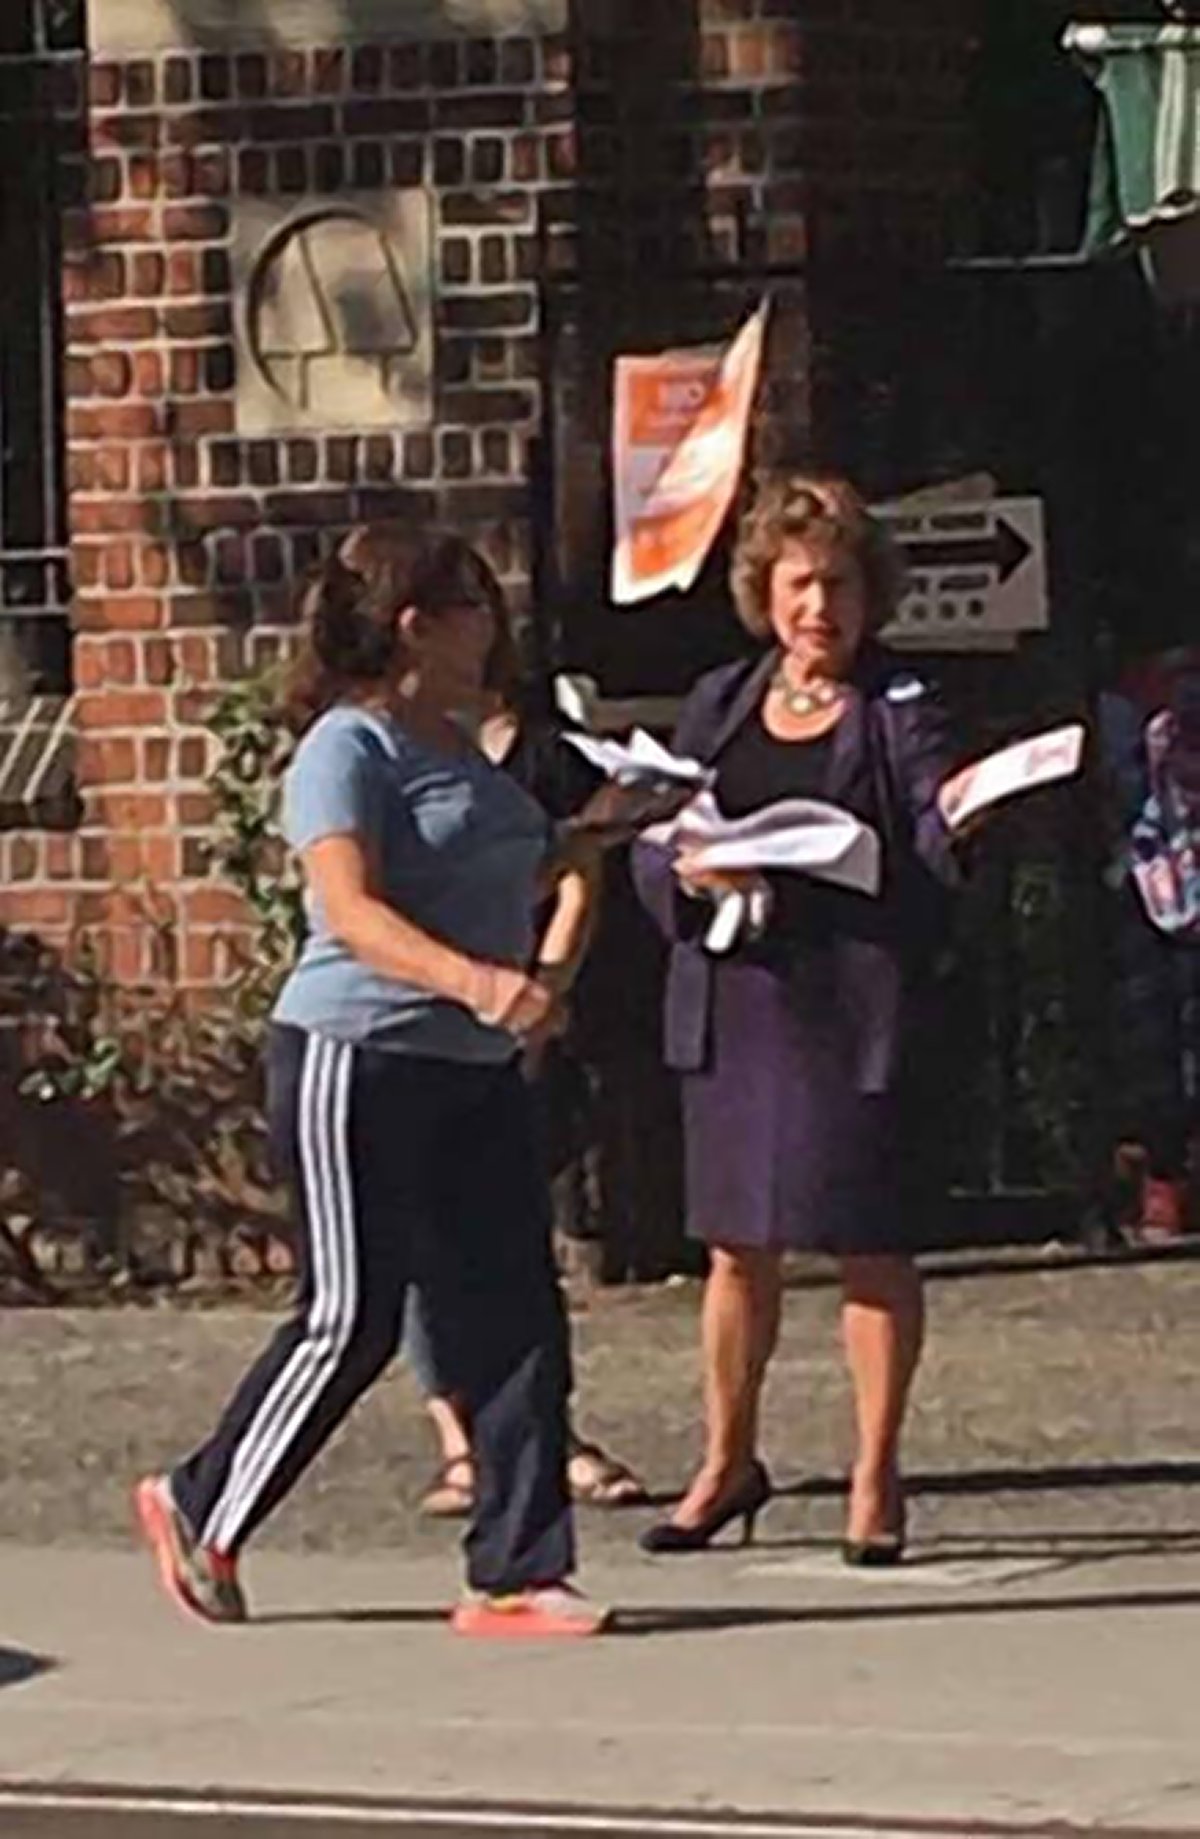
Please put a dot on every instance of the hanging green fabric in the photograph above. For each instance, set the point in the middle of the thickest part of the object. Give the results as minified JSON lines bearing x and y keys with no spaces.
{"x":1146,"y":167}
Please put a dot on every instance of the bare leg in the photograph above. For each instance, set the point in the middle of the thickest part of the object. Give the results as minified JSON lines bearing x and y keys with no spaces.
{"x":740,"y":1327}
{"x":451,"y":1493}
{"x":450,"y":1429}
{"x":883,"y":1326}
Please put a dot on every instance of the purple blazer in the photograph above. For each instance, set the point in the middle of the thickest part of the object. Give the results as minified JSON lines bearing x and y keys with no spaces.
{"x":890,"y":753}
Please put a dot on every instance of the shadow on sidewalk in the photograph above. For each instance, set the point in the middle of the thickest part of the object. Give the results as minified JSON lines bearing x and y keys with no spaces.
{"x":17,"y":1665}
{"x":717,"y":1619}
{"x":1065,"y":1549}
{"x":348,"y":1618}
{"x":1168,"y":1472}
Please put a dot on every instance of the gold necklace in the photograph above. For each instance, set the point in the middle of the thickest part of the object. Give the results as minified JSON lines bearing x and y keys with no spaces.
{"x":814,"y":697}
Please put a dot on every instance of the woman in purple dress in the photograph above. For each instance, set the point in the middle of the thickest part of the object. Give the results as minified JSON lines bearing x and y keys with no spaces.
{"x":808,"y":1110}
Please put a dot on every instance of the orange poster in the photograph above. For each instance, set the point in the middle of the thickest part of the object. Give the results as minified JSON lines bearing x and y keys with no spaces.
{"x":680,"y":420}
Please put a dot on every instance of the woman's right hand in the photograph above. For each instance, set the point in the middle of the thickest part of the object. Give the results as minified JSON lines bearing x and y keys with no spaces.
{"x":717,"y":882}
{"x":505,"y":997}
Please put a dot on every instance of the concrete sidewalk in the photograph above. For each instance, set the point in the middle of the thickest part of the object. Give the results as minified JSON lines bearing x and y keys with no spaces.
{"x":1004,"y":1687}
{"x":1039,"y":1659}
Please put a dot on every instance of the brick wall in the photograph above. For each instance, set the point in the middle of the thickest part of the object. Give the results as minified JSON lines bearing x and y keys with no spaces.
{"x":187,"y":539}
{"x":742,"y":130}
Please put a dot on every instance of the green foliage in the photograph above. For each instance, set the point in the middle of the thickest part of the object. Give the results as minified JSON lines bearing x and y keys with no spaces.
{"x":247,"y":848}
{"x":175,"y":1081}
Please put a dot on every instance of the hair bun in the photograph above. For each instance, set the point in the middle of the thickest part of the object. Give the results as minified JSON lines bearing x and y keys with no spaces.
{"x":345,"y":636}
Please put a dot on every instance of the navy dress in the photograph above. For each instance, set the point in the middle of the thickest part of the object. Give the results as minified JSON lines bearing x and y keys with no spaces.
{"x":809,"y":1068}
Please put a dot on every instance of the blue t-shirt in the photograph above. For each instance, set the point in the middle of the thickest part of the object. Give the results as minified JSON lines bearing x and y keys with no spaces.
{"x":454,"y":845}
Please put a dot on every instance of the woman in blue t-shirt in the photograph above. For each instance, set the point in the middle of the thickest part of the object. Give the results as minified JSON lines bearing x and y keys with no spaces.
{"x":396,"y":1103}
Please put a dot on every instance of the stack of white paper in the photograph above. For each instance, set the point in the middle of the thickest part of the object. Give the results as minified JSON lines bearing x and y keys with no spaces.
{"x":804,"y":834}
{"x":641,"y":761}
{"x":1041,"y":760}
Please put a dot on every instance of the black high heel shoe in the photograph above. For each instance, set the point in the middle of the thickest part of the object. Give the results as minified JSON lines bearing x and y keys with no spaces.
{"x":744,"y":1505}
{"x":882,"y":1550}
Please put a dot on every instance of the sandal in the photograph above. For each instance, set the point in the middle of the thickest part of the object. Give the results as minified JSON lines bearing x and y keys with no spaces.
{"x":451,"y":1493}
{"x":600,"y":1480}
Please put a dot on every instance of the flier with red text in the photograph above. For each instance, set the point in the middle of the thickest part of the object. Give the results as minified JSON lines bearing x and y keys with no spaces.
{"x":680,"y":425}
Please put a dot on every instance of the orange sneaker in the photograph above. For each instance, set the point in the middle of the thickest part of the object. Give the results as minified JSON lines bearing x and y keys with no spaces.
{"x":202,"y":1582}
{"x":545,"y":1611}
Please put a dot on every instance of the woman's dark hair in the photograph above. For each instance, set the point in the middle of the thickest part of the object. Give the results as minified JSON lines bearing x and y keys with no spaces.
{"x":351,"y":610}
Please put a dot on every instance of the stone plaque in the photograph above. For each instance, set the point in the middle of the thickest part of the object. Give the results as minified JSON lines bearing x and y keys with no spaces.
{"x":334,"y":312}
{"x":121,"y":28}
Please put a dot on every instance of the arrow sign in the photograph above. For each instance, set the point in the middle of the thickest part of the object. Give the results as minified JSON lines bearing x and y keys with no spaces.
{"x":976,"y":572}
{"x":1003,"y":550}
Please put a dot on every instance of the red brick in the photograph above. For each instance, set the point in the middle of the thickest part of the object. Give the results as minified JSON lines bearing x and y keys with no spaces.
{"x":128,"y":421}
{"x":183,"y":272}
{"x":153,"y":563}
{"x":312,"y":121}
{"x":60,"y":857}
{"x":205,"y":319}
{"x":156,"y":760}
{"x":195,"y":810}
{"x":34,"y":908}
{"x":131,"y":224}
{"x":158,"y":663}
{"x":193,"y":757}
{"x":328,"y":72}
{"x":147,"y":276}
{"x":112,"y":373}
{"x":94,"y":865}
{"x":178,"y":84}
{"x":112,"y":469}
{"x":218,"y":511}
{"x":384,"y":118}
{"x":104,"y":85}
{"x":126,"y":613}
{"x":86,"y":560}
{"x":127,"y":810}
{"x":251,"y":75}
{"x":192,"y":708}
{"x":114,"y":516}
{"x":122,"y":709}
{"x":196,"y":418}
{"x":215,"y":127}
{"x":288,"y":73}
{"x":213,"y":907}
{"x":113,"y":325}
{"x":106,"y":761}
{"x":144,"y":175}
{"x":126,"y":130}
{"x":176,"y":174}
{"x":303,"y":461}
{"x":195,"y":656}
{"x":147,"y":373}
{"x":199,"y":957}
{"x":185,"y":372}
{"x":81,"y":470}
{"x":195,"y":223}
{"x":151,"y":463}
{"x":191,"y":610}
{"x":118,"y":566}
{"x":23,"y":859}
{"x":318,"y":508}
{"x":211,"y":173}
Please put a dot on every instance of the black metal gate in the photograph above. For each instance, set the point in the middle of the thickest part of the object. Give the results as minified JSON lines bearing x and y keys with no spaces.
{"x":41,"y":120}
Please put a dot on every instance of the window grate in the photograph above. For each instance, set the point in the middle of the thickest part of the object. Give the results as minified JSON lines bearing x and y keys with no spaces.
{"x":41,"y":122}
